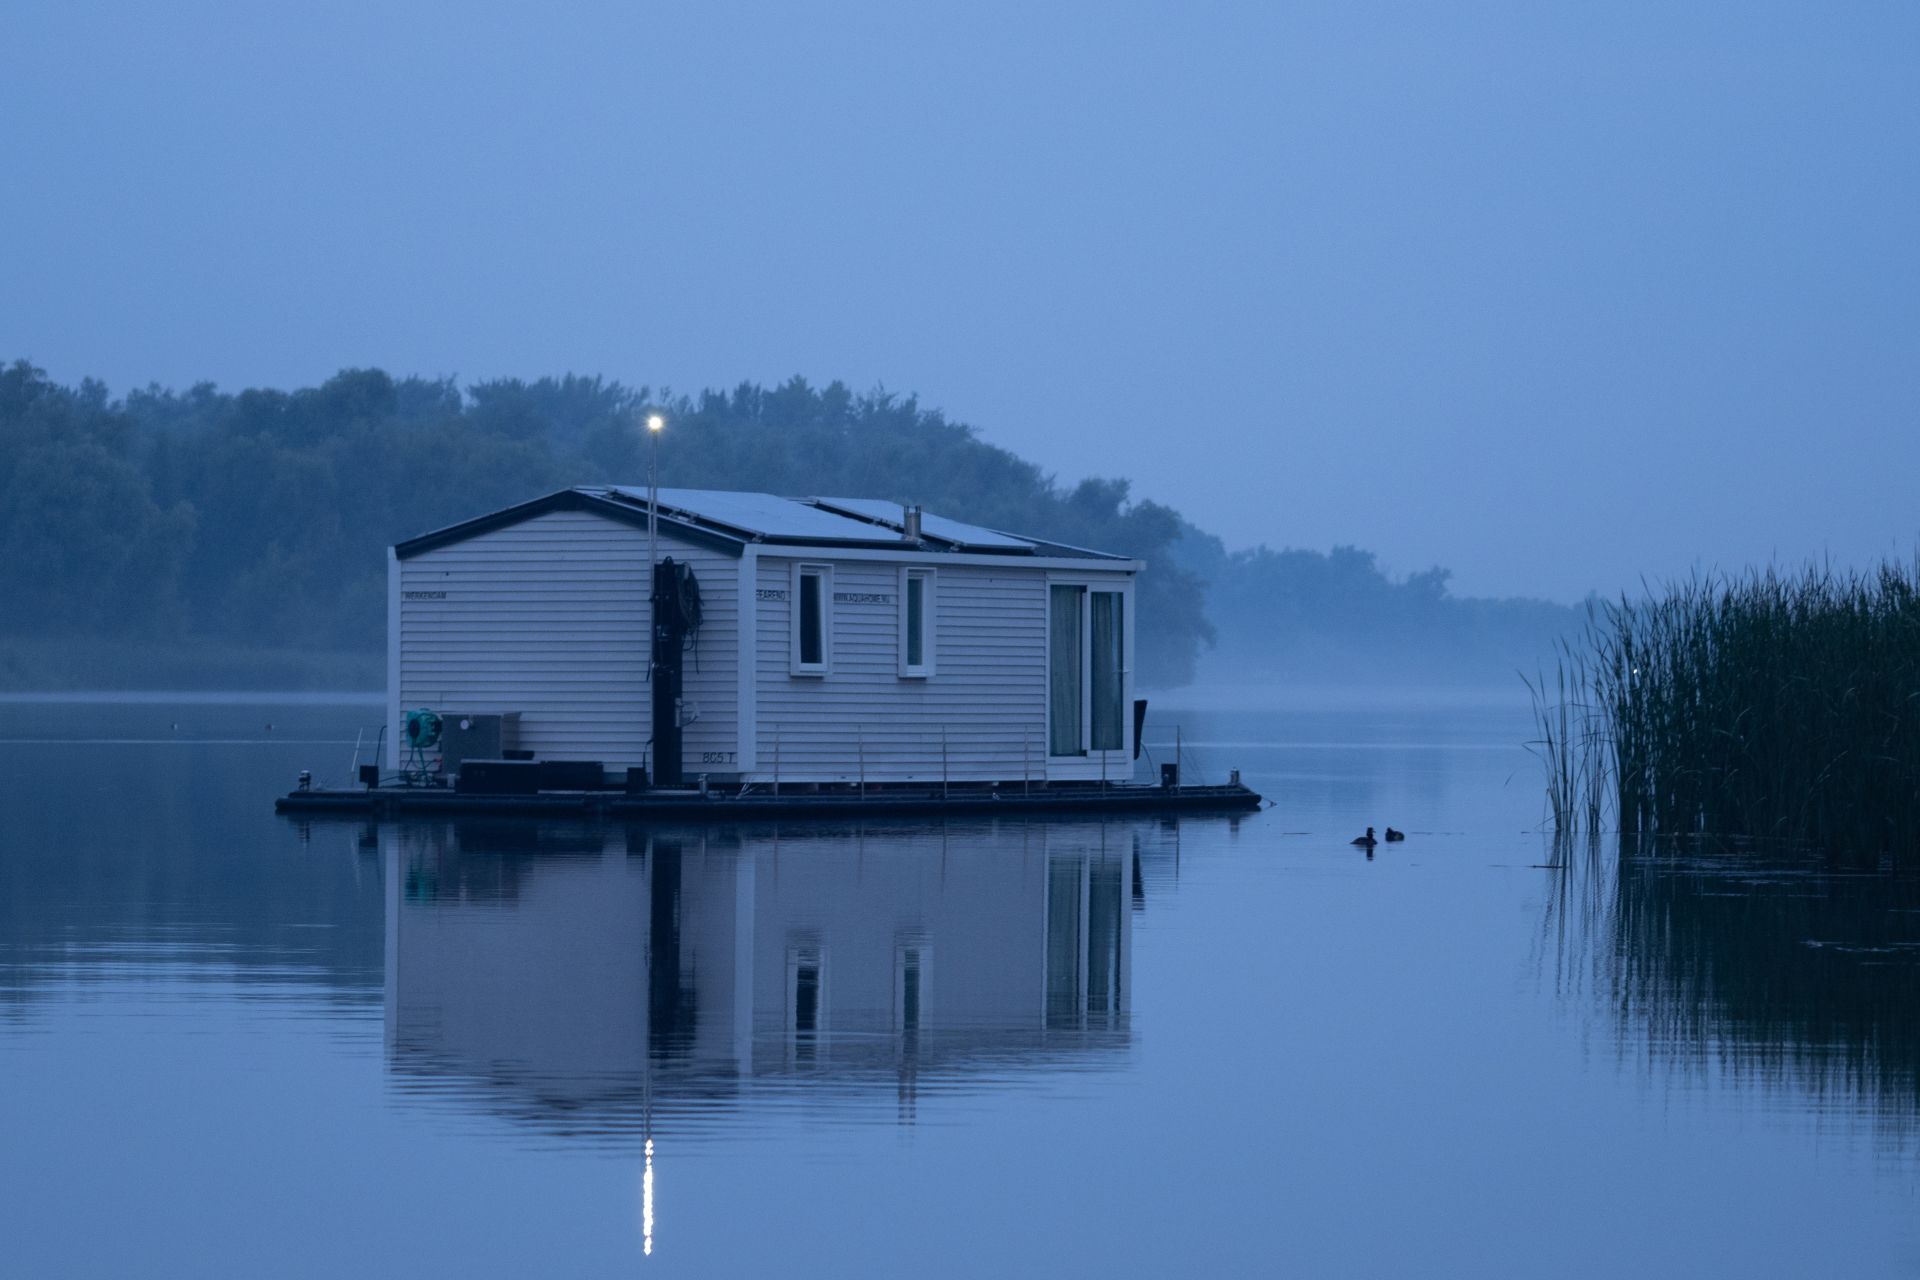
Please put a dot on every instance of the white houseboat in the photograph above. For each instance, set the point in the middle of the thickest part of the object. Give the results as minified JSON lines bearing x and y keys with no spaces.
{"x":802,"y":641}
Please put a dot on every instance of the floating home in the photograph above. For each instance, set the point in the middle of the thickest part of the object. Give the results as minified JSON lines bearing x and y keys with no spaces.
{"x":831,"y":647}
{"x":833,"y":640}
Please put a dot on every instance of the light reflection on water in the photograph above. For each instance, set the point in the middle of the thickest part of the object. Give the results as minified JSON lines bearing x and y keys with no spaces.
{"x":1091,"y":1047}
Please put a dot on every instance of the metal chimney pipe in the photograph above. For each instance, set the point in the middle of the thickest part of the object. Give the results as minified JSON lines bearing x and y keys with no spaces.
{"x":911,"y":523}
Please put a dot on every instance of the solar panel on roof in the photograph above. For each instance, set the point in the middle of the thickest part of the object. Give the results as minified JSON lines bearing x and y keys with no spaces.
{"x":970,"y":535}
{"x":965,"y":535}
{"x":760,"y":513}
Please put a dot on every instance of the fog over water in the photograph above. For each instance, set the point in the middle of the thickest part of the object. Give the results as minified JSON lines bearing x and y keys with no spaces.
{"x":1553,"y":298}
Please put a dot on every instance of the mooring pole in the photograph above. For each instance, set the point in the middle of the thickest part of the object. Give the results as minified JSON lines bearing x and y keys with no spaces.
{"x":1179,"y":759}
{"x":776,"y":762}
{"x":1026,"y":761}
{"x":860,"y":737}
{"x":943,"y":762}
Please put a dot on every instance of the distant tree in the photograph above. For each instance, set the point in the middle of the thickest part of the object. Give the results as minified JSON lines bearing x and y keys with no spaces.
{"x":83,"y":545}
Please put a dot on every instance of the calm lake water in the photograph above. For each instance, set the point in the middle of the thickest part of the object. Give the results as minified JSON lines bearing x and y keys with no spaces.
{"x":234,"y":1044}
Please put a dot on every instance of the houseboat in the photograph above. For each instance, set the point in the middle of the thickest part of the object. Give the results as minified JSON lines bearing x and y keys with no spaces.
{"x":806,"y":651}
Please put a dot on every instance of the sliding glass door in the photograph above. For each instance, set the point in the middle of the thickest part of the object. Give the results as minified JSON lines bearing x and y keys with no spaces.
{"x":1086,"y":670}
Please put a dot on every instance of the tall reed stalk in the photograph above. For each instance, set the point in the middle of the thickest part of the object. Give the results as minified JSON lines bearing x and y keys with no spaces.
{"x":1767,"y":705}
{"x":1573,"y":746}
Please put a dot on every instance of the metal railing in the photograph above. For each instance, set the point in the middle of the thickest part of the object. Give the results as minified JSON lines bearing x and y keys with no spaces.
{"x":946,"y":756}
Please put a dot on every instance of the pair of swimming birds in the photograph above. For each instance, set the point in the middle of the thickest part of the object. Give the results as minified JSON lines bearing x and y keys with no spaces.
{"x":1367,"y":841}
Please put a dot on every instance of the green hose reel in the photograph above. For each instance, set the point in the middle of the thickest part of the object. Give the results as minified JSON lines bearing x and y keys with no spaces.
{"x":423,"y":729}
{"x":422,"y":732}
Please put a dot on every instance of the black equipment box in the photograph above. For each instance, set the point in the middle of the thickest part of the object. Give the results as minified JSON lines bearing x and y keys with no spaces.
{"x":572,"y":775}
{"x":498,"y":778}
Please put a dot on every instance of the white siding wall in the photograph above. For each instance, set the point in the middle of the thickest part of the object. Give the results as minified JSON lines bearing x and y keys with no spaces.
{"x":548,"y":617}
{"x":988,"y":691}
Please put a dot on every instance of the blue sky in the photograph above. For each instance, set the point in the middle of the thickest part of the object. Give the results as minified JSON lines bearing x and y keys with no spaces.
{"x":1556,"y":297}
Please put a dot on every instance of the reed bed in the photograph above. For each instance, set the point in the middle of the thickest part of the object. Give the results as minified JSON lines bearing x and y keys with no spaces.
{"x":1768,"y":706}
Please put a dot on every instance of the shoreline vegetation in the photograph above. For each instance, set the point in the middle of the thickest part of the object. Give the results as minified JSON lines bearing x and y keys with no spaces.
{"x":1769,"y":706}
{"x":124,"y":666}
{"x":204,"y":526}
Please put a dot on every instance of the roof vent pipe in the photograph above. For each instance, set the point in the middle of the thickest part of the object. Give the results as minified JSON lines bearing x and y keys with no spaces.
{"x":911,"y":524}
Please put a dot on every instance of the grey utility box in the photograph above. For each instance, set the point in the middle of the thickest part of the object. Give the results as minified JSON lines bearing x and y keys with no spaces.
{"x":466,"y":736}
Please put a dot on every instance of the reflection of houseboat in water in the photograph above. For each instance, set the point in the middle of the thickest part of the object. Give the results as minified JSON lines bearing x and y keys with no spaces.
{"x":597,"y":981}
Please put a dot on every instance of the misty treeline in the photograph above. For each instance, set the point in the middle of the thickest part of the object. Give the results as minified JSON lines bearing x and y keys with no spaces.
{"x":1340,"y":617}
{"x":262,"y":517}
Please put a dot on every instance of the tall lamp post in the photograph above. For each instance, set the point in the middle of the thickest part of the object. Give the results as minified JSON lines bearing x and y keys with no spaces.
{"x":654,"y":425}
{"x":665,"y":682}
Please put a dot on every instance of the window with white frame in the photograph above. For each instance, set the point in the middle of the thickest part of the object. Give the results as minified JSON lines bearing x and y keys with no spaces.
{"x":916,"y":623}
{"x":812,"y":619}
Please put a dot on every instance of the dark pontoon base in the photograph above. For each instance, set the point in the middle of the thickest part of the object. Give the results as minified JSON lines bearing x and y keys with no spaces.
{"x":685,"y":806}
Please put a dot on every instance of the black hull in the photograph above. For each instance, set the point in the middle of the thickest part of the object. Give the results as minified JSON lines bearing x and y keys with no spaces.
{"x":688,"y":806}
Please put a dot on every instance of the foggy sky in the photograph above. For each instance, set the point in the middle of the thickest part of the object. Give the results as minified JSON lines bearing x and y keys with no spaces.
{"x":1556,"y":298}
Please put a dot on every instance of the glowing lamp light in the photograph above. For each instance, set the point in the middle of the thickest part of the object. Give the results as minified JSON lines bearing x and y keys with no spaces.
{"x":655,"y":422}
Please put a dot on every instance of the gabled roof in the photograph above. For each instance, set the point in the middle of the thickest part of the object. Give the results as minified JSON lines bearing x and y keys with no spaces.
{"x":728,"y":521}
